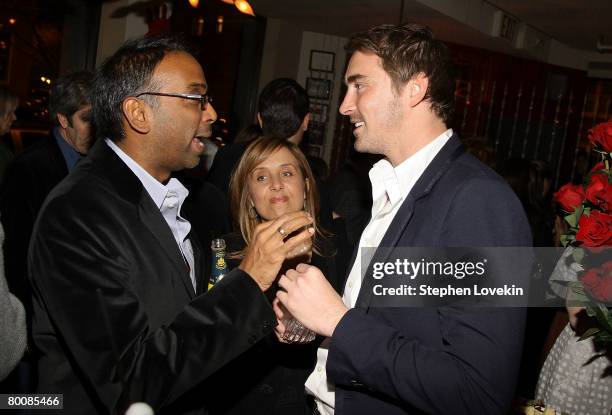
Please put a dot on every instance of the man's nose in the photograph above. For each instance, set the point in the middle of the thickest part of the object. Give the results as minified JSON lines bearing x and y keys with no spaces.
{"x":347,"y":105}
{"x":209,"y":115}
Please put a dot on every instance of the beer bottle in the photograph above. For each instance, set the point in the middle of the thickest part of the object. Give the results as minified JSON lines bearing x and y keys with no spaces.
{"x":219,"y":266}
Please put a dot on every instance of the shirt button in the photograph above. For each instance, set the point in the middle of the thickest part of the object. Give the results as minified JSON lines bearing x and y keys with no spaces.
{"x":319,"y":368}
{"x":350,"y":285}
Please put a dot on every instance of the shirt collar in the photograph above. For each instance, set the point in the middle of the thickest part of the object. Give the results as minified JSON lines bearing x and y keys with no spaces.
{"x":156,"y":189}
{"x":70,"y":155}
{"x":396,"y":183}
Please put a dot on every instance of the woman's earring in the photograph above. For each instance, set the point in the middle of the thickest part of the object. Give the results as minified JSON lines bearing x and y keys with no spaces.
{"x":252,"y":212}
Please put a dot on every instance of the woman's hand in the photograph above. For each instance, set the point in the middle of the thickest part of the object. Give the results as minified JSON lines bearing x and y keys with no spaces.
{"x":269,"y":248}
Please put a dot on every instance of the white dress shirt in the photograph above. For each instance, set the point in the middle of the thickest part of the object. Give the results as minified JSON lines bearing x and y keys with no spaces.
{"x":168,"y":198}
{"x":390,"y":187}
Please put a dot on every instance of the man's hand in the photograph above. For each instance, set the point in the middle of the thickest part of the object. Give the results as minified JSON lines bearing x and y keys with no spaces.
{"x":311,"y":299}
{"x":269,"y":248}
{"x":280,"y":328}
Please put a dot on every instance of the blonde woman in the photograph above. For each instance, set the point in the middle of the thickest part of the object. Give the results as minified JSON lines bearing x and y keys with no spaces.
{"x":273,"y":178}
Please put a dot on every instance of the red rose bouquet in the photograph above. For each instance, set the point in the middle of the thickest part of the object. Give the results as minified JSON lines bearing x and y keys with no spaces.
{"x":588,"y":211}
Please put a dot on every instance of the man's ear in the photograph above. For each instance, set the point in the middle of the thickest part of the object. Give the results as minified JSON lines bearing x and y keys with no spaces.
{"x":137,"y":115}
{"x":305,"y":122}
{"x":417,"y":88}
{"x":63,"y":121}
{"x":259,"y":121}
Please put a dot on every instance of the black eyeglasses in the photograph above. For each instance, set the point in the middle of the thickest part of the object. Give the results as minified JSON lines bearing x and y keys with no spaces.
{"x":204,"y":99}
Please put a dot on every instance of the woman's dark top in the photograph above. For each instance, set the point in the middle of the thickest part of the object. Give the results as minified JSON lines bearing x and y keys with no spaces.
{"x":269,"y":378}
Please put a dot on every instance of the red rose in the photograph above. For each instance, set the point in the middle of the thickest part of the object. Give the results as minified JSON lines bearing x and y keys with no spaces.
{"x":597,"y":184}
{"x":595,"y":230}
{"x":604,"y":290}
{"x":599,"y":166}
{"x":598,"y":282}
{"x":590,"y":279}
{"x":601,"y":136}
{"x":604,"y":198}
{"x":569,"y":197}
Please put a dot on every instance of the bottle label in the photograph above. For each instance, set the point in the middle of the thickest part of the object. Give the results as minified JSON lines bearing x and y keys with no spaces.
{"x":219,"y":268}
{"x":220,"y":263}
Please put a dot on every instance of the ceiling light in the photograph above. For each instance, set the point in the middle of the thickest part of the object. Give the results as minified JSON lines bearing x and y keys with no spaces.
{"x":244,"y":7}
{"x":194,"y":3}
{"x":12,"y":20}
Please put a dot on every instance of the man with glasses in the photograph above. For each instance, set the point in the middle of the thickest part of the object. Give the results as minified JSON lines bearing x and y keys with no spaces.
{"x":120,"y":313}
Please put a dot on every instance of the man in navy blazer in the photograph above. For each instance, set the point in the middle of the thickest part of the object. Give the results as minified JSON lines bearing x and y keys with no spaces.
{"x":427,"y":192}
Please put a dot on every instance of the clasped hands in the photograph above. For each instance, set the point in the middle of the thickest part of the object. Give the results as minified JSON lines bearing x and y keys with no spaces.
{"x":308,"y":296}
{"x":304,"y":292}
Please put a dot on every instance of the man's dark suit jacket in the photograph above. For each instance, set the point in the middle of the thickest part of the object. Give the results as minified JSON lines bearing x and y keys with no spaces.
{"x":27,"y":182}
{"x":116,"y":317}
{"x":445,"y":360}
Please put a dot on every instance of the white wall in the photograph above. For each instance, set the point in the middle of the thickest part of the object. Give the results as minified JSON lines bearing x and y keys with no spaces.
{"x":281,"y":51}
{"x":114,"y":31}
{"x":480,"y":15}
{"x":287,"y":54}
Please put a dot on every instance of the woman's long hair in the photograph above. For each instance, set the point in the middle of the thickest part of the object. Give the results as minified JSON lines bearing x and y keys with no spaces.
{"x":243,"y":213}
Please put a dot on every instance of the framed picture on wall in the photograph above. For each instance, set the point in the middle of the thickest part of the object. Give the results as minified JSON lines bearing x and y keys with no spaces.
{"x":316,"y":133}
{"x":318,"y":88}
{"x":318,"y":112}
{"x":322,"y":61}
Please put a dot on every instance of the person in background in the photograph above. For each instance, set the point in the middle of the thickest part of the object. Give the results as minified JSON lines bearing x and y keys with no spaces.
{"x":39,"y":168}
{"x":13,"y":337}
{"x":28,"y":180}
{"x":272,"y":178}
{"x":283,"y":112}
{"x":8,"y":106}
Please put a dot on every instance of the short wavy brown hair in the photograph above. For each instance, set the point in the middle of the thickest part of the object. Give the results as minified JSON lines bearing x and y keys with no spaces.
{"x":258,"y":151}
{"x":408,"y":50}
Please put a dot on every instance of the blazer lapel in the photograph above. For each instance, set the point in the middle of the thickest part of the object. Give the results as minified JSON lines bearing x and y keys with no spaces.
{"x":436,"y":169}
{"x":155,"y":222}
{"x":129,"y":187}
{"x":198,"y":259}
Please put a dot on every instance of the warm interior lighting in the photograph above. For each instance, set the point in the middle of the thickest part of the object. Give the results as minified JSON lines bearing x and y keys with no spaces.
{"x":194,"y":3}
{"x":244,"y":7}
{"x":12,"y":20}
{"x":228,"y":1}
{"x":43,"y":79}
{"x":48,"y":81}
{"x":200,"y":28}
{"x":220,"y":24}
